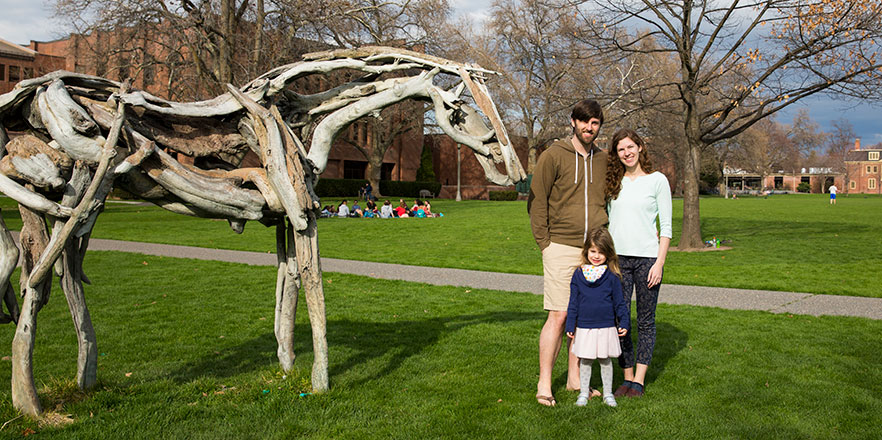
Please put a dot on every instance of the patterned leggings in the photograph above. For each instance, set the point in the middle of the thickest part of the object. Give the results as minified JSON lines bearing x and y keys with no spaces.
{"x":635,"y":270}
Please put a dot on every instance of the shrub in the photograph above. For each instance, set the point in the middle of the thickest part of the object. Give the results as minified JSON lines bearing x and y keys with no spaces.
{"x":503,"y":195}
{"x":523,"y":186}
{"x":339,"y":187}
{"x":426,"y":172}
{"x":803,"y":187}
{"x":407,"y":189}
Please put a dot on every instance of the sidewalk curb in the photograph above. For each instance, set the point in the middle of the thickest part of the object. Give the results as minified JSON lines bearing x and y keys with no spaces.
{"x":726,"y":298}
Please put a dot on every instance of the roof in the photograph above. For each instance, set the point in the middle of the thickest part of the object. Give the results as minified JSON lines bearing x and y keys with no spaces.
{"x":15,"y":50}
{"x":862,"y":155}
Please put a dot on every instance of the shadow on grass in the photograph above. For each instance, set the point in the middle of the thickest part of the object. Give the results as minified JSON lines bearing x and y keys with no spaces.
{"x":669,"y":341}
{"x":363,"y":341}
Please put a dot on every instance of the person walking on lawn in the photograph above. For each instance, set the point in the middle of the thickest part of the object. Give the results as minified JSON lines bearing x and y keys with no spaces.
{"x":566,"y":201}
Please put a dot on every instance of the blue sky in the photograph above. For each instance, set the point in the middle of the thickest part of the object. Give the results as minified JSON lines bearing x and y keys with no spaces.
{"x":25,"y":20}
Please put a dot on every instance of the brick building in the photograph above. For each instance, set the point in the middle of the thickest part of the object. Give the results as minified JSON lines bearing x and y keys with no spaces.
{"x":864,"y":170}
{"x":18,"y":63}
{"x":473,"y":182}
{"x":818,"y":179}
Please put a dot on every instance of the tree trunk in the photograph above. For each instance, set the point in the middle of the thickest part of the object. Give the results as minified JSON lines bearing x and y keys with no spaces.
{"x":690,"y":237}
{"x":532,"y":158}
{"x":258,"y":35}
{"x":306,"y":243}
{"x":34,"y":239}
{"x":225,"y":64}
{"x":375,"y":168}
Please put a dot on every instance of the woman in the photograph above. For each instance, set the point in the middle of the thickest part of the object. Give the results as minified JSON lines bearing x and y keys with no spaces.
{"x":637,"y":196}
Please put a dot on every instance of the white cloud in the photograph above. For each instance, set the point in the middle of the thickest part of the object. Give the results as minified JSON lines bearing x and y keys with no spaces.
{"x":26,"y":20}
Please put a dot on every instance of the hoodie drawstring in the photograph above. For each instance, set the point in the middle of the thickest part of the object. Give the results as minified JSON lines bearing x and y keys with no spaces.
{"x":590,"y":180}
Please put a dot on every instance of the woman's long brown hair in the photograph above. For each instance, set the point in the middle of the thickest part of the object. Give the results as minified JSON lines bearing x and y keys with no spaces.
{"x":615,"y":170}
{"x":601,"y":239}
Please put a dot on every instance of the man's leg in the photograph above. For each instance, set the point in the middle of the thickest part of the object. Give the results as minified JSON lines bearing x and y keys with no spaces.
{"x":549,"y":347}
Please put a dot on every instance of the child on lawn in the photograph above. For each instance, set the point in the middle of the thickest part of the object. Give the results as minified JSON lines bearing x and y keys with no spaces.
{"x":596,"y":303}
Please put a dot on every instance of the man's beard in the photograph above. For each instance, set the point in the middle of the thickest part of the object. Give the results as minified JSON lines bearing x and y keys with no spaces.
{"x":580,"y":136}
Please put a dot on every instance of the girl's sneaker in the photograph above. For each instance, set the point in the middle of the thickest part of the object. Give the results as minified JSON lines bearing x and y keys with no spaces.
{"x":608,"y":400}
{"x":582,"y":400}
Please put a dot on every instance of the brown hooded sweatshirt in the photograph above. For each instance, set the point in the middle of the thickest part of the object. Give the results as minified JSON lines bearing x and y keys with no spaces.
{"x":566,"y":194}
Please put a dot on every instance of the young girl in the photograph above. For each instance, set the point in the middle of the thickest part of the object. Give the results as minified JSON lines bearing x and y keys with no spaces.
{"x":596,"y":304}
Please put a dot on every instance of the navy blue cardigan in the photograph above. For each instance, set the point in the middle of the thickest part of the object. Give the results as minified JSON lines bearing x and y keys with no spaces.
{"x":597,"y":304}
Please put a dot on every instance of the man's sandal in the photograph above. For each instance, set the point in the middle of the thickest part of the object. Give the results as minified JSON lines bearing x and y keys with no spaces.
{"x":546,"y":400}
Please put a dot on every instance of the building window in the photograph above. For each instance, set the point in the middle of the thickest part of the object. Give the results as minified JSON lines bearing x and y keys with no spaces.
{"x":874,"y":155}
{"x":852,"y":184}
{"x":871,"y":184}
{"x":354,"y":169}
{"x":2,"y":72}
{"x":14,"y":74}
{"x":868,"y":169}
{"x":28,"y":72}
{"x":875,"y":168}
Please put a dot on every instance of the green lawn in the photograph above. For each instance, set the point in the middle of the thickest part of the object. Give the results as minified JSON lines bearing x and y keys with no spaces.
{"x":187,"y":351}
{"x":785,"y":242}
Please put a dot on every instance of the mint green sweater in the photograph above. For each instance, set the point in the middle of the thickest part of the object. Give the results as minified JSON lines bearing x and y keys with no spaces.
{"x":632,"y":215}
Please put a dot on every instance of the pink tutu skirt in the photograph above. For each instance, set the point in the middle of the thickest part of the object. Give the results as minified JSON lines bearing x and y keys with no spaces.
{"x":596,"y":343}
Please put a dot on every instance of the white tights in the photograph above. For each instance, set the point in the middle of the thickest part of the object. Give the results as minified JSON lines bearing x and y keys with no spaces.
{"x":606,"y":374}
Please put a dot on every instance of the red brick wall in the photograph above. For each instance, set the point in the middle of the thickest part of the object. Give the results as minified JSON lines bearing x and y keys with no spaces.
{"x":473,"y":182}
{"x":861,"y":176}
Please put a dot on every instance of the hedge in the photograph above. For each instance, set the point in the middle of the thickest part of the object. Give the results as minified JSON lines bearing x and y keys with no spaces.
{"x":350,"y":187}
{"x":503,"y":195}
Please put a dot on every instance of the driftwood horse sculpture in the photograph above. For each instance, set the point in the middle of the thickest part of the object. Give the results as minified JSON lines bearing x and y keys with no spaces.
{"x":81,"y":135}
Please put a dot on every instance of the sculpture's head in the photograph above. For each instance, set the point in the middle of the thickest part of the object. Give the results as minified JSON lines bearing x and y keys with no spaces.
{"x":411,"y":75}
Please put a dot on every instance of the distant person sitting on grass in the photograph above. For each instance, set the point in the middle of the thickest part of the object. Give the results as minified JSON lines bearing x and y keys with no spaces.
{"x":833,"y":190}
{"x":356,"y":210}
{"x":343,"y":210}
{"x":401,"y":210}
{"x":386,"y":210}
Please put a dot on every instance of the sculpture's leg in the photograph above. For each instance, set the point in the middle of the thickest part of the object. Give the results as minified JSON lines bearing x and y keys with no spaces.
{"x":72,"y":284}
{"x":34,"y":238}
{"x":8,"y":261}
{"x":287,"y":288}
{"x":311,"y":274}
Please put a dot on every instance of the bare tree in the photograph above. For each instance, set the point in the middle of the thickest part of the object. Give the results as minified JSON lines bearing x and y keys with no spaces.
{"x":741,"y":61}
{"x":838,"y":145}
{"x":764,"y":148}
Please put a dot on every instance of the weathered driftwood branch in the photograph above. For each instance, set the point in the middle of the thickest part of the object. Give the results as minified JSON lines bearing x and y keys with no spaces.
{"x":8,"y":260}
{"x":34,"y":238}
{"x":270,"y":141}
{"x":327,"y":129}
{"x":90,"y":202}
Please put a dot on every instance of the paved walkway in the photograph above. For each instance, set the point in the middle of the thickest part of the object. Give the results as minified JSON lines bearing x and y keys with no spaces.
{"x":736,"y":299}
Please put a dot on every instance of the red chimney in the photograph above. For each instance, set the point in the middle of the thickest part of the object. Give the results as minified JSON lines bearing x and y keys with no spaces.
{"x":857,"y":144}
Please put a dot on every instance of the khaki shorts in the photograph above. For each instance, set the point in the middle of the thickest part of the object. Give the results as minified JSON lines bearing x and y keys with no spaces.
{"x":559,"y":261}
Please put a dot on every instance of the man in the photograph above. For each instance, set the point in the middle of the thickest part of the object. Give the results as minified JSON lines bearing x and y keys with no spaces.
{"x":833,"y":190}
{"x":566,"y":202}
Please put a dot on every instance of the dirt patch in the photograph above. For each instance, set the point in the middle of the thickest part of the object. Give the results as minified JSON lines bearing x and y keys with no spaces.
{"x":53,"y":419}
{"x":704,"y":249}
